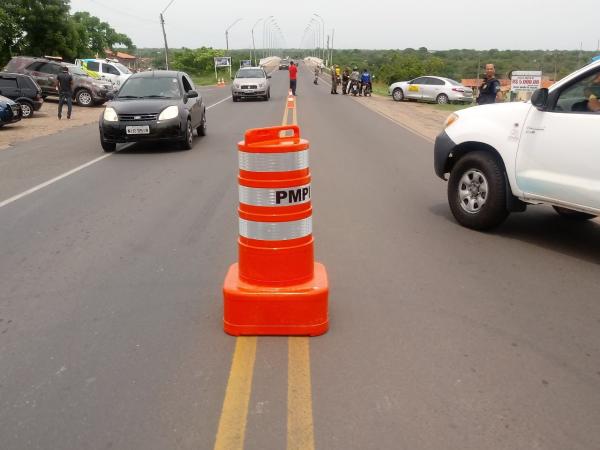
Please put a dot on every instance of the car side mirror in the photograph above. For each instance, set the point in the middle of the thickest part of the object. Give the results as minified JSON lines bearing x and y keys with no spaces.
{"x":268,"y":76}
{"x":539,"y":99}
{"x":191,"y":94}
{"x":110,"y":95}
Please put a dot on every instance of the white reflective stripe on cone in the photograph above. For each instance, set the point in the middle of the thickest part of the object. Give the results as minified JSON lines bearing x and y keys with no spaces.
{"x":276,"y":231}
{"x":295,"y":195}
{"x":273,"y":162}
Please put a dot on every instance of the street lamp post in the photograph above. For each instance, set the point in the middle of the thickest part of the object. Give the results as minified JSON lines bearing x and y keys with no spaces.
{"x":227,"y":34}
{"x":264,"y":37}
{"x":322,"y":35}
{"x":253,"y":45}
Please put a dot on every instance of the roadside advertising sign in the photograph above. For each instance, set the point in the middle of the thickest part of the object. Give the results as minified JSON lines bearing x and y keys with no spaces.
{"x":525,"y":80}
{"x":222,"y":61}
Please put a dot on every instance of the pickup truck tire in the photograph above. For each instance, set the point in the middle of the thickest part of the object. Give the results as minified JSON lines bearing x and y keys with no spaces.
{"x":572,"y":214}
{"x":477,"y":191}
{"x":84,"y":98}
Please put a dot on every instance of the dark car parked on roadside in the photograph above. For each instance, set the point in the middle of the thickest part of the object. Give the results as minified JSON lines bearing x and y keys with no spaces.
{"x":23,"y":90}
{"x":10,"y":112}
{"x":160,"y":105}
{"x":87,"y":91}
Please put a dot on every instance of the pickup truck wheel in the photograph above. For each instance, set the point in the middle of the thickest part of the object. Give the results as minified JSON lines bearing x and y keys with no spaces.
{"x":477,"y":191}
{"x":573,"y":215}
{"x":84,"y":98}
{"x":398,"y":95}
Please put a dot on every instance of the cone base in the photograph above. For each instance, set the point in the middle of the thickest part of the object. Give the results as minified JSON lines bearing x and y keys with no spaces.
{"x":298,"y":310}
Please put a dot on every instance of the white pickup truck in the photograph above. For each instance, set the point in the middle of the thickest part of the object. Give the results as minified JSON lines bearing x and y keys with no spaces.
{"x":502,"y":157}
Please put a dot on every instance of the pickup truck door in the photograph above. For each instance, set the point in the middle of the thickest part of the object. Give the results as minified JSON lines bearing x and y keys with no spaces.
{"x":559,"y":152}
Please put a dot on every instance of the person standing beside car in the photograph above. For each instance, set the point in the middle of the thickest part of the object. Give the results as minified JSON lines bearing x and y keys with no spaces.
{"x":293,"y":77}
{"x":64,"y":82}
{"x":489,"y":92}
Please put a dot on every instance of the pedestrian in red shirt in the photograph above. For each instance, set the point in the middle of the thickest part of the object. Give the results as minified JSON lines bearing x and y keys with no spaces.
{"x":293,"y":77}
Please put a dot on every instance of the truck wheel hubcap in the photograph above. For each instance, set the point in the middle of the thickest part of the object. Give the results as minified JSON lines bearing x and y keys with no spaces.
{"x":473,"y":191}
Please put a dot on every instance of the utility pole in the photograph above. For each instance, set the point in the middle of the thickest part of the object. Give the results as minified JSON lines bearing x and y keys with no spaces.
{"x":162,"y":23}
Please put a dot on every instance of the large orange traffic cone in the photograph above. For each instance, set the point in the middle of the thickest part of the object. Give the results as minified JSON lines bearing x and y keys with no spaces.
{"x":276,"y":288}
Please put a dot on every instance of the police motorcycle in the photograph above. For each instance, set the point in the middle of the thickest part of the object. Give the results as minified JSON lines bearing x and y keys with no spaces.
{"x":355,"y":87}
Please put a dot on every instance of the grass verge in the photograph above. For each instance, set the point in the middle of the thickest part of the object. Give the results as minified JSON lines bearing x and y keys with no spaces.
{"x":451,"y":107}
{"x":208,"y":79}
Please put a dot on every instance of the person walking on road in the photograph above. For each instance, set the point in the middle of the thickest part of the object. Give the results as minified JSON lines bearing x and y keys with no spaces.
{"x":489,"y":92}
{"x":64,"y":84}
{"x":293,"y":77}
{"x":334,"y":80}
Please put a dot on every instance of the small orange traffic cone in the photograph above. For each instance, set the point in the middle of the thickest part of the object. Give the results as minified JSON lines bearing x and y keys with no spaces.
{"x":276,"y":288}
{"x":290,"y":99}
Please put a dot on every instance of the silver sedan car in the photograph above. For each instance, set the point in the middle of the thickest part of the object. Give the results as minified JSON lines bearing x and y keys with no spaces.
{"x":251,"y":82}
{"x":431,"y":89}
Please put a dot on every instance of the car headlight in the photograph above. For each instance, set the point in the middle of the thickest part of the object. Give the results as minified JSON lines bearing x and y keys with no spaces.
{"x":450,"y":120}
{"x":169,"y":113}
{"x":110,"y":115}
{"x":261,"y":85}
{"x":236,"y":85}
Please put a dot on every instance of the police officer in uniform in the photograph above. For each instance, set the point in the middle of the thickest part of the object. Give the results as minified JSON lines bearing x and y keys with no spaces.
{"x":489,"y":92}
{"x":334,"y":80}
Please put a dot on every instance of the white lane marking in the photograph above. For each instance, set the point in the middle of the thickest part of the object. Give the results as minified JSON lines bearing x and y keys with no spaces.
{"x":220,"y":101}
{"x":14,"y":198}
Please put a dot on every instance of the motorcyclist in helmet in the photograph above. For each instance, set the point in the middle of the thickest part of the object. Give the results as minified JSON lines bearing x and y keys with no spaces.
{"x":365,"y":83}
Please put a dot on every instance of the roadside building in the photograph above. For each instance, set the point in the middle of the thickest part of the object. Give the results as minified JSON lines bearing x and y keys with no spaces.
{"x":129,"y":61}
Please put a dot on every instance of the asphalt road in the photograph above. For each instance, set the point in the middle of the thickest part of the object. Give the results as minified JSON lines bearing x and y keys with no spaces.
{"x":440,"y":337}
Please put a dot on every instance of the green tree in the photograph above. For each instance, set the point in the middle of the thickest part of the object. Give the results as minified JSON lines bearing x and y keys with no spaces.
{"x":96,"y":36}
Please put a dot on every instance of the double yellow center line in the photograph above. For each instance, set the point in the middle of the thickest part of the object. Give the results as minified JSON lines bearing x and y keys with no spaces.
{"x":234,"y":415}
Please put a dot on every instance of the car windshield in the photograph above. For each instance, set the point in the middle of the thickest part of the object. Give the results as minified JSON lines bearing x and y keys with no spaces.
{"x":150,"y":87}
{"x":250,"y":73}
{"x":122,"y":68}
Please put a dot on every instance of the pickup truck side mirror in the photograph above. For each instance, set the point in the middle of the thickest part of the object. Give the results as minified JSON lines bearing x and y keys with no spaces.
{"x":110,"y":95}
{"x":191,"y":94}
{"x":539,"y":99}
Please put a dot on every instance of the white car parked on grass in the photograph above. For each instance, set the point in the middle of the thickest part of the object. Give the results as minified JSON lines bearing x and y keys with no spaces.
{"x":431,"y":89}
{"x":503,"y":157}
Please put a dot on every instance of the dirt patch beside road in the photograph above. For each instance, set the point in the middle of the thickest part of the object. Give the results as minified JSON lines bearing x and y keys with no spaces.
{"x":421,"y":118}
{"x":45,"y":122}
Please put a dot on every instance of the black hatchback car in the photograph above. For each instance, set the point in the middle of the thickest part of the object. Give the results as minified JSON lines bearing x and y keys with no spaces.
{"x":159,"y":105}
{"x":23,"y":90}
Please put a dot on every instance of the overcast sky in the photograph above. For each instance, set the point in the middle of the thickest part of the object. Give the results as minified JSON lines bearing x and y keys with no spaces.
{"x":437,"y":25}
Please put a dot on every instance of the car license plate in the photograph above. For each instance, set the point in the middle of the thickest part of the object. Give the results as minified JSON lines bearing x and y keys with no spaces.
{"x":138,"y":129}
